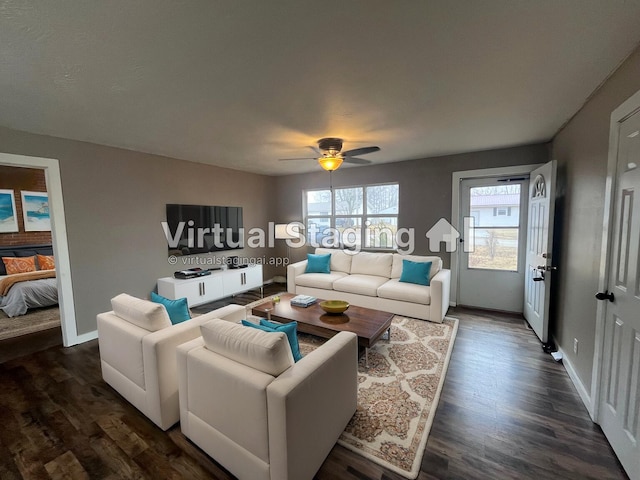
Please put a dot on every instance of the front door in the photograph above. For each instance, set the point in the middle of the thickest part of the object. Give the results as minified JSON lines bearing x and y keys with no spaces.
{"x":539,"y":267}
{"x":620,"y":381}
{"x":491,"y":273}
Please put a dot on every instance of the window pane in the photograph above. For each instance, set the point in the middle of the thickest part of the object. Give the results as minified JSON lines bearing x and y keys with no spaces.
{"x":350,"y":229}
{"x":495,"y":249}
{"x":382,"y":199}
{"x":381,"y":232}
{"x":319,"y":202}
{"x":349,"y":201}
{"x":496,"y":205}
{"x":318,"y":228}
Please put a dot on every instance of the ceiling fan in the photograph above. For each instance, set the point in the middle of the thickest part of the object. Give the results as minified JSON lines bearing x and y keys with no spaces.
{"x":330,"y":155}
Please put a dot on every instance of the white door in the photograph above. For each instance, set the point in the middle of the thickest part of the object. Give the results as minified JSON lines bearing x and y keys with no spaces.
{"x":539,"y":267}
{"x":491,"y":273}
{"x":620,"y":381}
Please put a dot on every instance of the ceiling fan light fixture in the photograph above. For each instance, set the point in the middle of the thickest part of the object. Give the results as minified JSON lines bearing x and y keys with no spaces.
{"x":330,"y":163}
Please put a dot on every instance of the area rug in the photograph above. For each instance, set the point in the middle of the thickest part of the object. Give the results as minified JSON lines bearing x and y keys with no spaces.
{"x":34,"y":321}
{"x":398,"y":393}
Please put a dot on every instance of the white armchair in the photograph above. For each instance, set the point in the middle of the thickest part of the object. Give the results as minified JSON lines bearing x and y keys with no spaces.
{"x":249,"y":406}
{"x":138,"y":353}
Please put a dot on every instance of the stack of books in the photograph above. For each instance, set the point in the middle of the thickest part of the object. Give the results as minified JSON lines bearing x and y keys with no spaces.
{"x":303,"y":300}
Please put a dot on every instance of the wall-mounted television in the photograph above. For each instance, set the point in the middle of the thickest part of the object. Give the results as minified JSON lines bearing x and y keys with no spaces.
{"x":194,"y":229}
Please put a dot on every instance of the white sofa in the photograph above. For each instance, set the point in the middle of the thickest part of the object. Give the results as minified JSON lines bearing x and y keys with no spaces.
{"x":250,"y":407}
{"x":138,"y":353}
{"x":372,"y":280}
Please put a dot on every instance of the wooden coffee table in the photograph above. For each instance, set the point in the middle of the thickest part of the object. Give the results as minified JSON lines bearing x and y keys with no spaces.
{"x":368,"y":324}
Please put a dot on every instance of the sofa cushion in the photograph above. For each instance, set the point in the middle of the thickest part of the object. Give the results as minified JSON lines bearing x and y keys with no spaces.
{"x":267,"y":352}
{"x":319,"y":280}
{"x":178,"y":309}
{"x":367,"y":263}
{"x":291,"y":329}
{"x":318,"y":263}
{"x":340,"y":260}
{"x":143,"y":313}
{"x":405,"y":292}
{"x":396,"y":269}
{"x":415,"y":272}
{"x":360,"y":284}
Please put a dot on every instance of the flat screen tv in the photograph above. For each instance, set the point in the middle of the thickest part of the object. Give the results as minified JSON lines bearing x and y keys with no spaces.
{"x":194,"y":229}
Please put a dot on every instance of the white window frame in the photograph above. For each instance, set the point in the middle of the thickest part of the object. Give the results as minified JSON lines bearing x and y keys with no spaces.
{"x":364,"y":216}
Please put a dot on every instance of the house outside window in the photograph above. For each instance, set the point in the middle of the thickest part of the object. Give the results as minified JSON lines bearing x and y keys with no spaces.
{"x":357,"y":217}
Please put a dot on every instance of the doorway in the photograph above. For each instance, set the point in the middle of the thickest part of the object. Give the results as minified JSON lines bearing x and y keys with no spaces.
{"x":457,"y":219}
{"x":51,"y":168}
{"x":493,"y":211}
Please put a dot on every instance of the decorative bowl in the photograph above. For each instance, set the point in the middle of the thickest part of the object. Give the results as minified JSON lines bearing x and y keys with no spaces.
{"x":334,"y":306}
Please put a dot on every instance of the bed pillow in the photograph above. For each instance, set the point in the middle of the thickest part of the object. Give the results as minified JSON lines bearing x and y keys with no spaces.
{"x":15,"y":265}
{"x":46,"y":262}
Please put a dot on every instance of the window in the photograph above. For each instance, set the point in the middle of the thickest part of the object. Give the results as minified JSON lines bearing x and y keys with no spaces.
{"x":496,"y":236}
{"x":357,"y":217}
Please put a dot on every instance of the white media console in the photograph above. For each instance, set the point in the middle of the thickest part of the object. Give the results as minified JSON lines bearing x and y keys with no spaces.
{"x":220,"y":284}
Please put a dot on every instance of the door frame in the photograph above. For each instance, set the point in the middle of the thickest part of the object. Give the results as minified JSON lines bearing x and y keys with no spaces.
{"x":624,"y":111}
{"x":456,"y":179}
{"x":53,"y":181}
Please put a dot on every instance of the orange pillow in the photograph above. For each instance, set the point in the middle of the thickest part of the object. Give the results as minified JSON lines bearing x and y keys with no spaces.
{"x":19,"y":264}
{"x":46,"y":262}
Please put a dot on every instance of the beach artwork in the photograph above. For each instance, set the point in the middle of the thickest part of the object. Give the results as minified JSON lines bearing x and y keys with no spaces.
{"x":8,"y":218}
{"x":35,"y":211}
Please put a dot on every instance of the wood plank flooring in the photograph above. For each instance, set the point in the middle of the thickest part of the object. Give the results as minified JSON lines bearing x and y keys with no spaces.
{"x":507,"y":411}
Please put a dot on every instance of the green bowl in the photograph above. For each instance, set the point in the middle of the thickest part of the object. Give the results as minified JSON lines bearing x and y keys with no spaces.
{"x":334,"y":306}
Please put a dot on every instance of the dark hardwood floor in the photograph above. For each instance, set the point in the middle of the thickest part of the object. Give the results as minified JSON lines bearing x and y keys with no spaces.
{"x":507,"y":411}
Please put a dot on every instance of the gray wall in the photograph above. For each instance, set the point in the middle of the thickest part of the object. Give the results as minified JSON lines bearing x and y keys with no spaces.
{"x":115,"y":203}
{"x":425,"y":186}
{"x":581,"y":149}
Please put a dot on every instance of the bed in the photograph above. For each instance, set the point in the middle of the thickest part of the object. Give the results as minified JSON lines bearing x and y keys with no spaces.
{"x":22,"y":291}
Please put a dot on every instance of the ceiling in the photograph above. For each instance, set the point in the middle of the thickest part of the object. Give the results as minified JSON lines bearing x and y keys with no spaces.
{"x":241,"y":84}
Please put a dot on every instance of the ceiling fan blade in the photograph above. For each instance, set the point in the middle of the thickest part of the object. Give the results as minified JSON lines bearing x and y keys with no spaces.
{"x":301,"y":158}
{"x":360,"y":151}
{"x":356,"y":161}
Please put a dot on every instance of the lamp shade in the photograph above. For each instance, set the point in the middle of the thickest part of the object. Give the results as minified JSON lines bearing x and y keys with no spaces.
{"x":330,"y":163}
{"x":283,"y":231}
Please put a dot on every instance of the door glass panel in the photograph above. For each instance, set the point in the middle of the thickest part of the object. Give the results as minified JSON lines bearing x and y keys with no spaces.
{"x":496,"y":213}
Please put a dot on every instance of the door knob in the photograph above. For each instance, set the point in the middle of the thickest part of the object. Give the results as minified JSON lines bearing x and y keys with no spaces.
{"x":605,"y":296}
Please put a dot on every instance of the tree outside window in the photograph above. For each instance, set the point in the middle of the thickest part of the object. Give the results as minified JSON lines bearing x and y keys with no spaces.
{"x":360,"y":216}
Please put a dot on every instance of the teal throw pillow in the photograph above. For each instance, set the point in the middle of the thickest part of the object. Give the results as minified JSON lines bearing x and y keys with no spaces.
{"x":290,"y":329}
{"x":178,"y":310}
{"x":415,"y":272}
{"x":319,"y":263}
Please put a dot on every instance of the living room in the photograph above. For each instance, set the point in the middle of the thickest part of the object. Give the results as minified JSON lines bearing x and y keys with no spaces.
{"x":115,"y":194}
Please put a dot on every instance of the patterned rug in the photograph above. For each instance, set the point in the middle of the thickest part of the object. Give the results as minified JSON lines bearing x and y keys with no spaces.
{"x":398,"y":394}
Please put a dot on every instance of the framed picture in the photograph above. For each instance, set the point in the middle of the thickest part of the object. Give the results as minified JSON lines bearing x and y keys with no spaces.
{"x":8,"y":217}
{"x":35,"y":210}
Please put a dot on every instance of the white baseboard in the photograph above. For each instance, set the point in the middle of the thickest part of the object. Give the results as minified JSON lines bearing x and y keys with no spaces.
{"x":85,"y":337}
{"x":453,"y":304}
{"x":582,"y":391}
